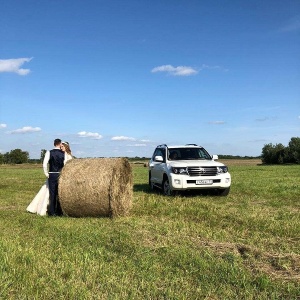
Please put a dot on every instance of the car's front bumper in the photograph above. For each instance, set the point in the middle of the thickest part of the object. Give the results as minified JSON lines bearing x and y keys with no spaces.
{"x":185,"y":182}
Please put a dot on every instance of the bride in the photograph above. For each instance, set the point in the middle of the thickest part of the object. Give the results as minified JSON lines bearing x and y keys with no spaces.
{"x":40,"y":202}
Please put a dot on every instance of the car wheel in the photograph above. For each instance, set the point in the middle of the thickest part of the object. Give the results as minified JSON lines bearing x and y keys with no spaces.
{"x":151,"y":185}
{"x":223,"y":192}
{"x":167,"y":188}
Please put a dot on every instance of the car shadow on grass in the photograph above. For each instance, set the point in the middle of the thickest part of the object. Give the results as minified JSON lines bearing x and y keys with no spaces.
{"x":195,"y":193}
{"x":145,"y":188}
{"x":142,"y":188}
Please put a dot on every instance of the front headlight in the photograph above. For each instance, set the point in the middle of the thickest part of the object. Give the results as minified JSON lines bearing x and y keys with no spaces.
{"x":222,"y":169}
{"x":179,"y":170}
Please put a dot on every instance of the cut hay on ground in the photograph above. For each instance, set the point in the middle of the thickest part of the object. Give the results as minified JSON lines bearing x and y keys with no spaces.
{"x":96,"y":187}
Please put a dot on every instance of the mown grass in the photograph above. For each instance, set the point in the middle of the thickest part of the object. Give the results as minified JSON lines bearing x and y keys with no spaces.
{"x":192,"y":246}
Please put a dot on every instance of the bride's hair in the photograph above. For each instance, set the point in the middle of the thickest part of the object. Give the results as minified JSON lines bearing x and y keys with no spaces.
{"x":67,"y":147}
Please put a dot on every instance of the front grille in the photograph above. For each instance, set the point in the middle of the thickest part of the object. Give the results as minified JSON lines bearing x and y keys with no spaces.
{"x":202,"y":171}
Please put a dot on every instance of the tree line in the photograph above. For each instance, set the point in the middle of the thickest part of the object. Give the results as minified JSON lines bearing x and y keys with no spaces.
{"x":279,"y":154}
{"x":17,"y":156}
{"x":271,"y":154}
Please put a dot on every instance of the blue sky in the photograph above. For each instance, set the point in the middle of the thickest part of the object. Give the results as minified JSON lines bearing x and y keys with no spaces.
{"x":117,"y":78}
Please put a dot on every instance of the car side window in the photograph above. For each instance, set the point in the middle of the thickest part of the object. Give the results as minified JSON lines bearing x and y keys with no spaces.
{"x":159,"y":152}
{"x":163,"y":154}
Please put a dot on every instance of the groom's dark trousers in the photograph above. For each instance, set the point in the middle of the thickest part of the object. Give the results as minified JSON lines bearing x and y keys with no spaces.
{"x":54,"y":205}
{"x":56,"y":163}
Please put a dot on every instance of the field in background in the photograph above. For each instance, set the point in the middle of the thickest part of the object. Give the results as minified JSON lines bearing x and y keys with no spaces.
{"x":241,"y":162}
{"x":192,"y":246}
{"x":229,"y":162}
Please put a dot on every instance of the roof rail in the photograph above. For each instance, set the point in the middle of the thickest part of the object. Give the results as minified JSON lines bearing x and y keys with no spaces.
{"x":191,"y":144}
{"x":162,"y":145}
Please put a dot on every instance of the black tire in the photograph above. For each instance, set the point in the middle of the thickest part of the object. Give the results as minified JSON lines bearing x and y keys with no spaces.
{"x":151,"y":185}
{"x":166,"y":187}
{"x":223,"y":192}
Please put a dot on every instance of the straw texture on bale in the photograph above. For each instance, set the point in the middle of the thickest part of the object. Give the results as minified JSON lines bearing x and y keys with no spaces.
{"x":96,"y":187}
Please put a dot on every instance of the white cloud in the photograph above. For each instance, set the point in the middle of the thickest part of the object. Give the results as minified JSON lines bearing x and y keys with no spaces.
{"x":14,"y":65}
{"x":262,"y":119}
{"x":93,"y":135}
{"x":213,"y":68}
{"x":217,"y":122}
{"x":145,"y":141}
{"x":138,"y":145}
{"x":292,"y":25}
{"x":122,"y":138}
{"x":3,"y":125}
{"x":26,"y":129}
{"x":175,"y":71}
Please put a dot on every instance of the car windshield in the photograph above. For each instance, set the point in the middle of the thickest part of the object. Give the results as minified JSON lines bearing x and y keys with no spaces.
{"x":188,"y":154}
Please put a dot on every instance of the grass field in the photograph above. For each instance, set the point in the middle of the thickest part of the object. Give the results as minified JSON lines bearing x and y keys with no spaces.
{"x":192,"y":246}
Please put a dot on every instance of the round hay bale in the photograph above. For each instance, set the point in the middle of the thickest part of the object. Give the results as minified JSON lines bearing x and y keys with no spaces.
{"x":96,"y":187}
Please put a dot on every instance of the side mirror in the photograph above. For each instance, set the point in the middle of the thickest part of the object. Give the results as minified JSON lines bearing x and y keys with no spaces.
{"x":214,"y":157}
{"x":158,"y":158}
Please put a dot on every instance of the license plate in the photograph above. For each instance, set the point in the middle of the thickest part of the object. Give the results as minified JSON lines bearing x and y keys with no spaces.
{"x":204,"y":181}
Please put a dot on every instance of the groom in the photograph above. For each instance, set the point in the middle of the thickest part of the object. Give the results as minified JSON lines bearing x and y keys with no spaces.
{"x":55,"y":158}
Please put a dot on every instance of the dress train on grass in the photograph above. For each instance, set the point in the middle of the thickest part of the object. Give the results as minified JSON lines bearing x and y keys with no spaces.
{"x":40,"y":202}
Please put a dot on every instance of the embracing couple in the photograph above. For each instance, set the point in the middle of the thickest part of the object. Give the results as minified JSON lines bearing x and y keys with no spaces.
{"x":46,"y":201}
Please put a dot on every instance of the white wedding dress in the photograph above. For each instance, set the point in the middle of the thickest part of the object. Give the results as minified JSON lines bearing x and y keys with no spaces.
{"x":40,"y":202}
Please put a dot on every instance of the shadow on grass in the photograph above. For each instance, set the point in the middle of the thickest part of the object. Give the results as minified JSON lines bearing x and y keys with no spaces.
{"x":189,"y":193}
{"x":196,"y":193}
{"x":142,"y":188}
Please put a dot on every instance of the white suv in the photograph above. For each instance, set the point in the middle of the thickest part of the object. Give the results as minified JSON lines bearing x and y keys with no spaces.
{"x":188,"y":167}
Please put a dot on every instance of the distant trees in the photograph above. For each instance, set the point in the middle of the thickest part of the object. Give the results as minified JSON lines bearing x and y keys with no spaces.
{"x":16,"y":156}
{"x":271,"y":154}
{"x":43,"y":152}
{"x":227,"y":156}
{"x":294,"y":149}
{"x":279,"y":154}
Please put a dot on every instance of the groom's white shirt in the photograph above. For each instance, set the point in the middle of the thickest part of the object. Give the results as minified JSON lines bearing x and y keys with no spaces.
{"x":46,"y":160}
